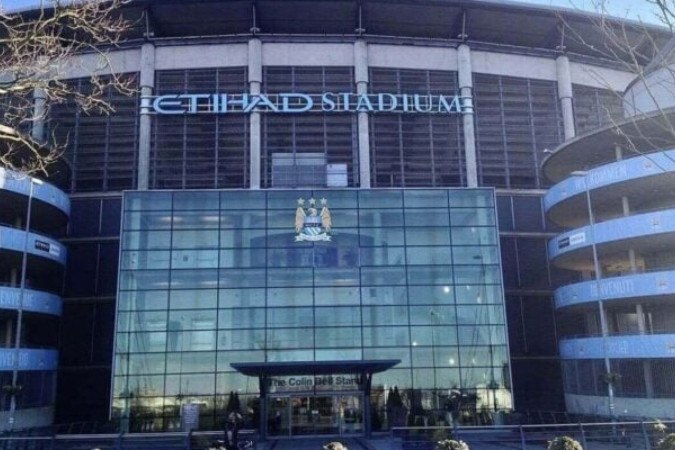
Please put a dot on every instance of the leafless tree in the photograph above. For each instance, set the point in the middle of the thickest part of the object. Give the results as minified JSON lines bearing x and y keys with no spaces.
{"x":645,"y":49}
{"x":36,"y":49}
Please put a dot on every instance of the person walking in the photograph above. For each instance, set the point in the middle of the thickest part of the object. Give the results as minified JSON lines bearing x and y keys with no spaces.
{"x":234,"y":420}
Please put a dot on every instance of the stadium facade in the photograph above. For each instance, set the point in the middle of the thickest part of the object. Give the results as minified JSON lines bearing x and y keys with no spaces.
{"x":613,"y":194}
{"x":335,"y":210}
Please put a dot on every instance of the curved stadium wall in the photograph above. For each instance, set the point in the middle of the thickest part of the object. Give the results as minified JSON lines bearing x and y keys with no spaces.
{"x":613,"y":194}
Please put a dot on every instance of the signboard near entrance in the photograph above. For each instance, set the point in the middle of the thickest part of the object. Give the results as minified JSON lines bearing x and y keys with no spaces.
{"x":309,"y":383}
{"x":189,"y":417}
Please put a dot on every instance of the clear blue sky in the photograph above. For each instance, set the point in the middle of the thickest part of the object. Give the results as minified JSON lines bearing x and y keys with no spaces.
{"x":630,"y":9}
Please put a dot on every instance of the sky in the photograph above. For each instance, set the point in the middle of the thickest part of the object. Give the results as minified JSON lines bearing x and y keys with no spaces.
{"x":629,"y":9}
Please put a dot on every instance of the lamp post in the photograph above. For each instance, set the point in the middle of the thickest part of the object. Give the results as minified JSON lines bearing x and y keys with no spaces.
{"x":601,"y":309}
{"x":15,"y":389}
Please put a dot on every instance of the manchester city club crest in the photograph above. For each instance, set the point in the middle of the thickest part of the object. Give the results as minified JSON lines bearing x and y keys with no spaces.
{"x":310,"y":223}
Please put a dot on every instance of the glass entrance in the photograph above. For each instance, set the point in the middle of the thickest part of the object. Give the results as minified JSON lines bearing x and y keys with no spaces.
{"x":298,"y":415}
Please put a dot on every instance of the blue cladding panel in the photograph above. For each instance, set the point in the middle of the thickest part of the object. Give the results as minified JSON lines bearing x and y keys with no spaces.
{"x":29,"y":359}
{"x":644,"y":346}
{"x":33,"y":301}
{"x":38,"y":245}
{"x":641,"y":285}
{"x":20,"y":184}
{"x":609,"y":174}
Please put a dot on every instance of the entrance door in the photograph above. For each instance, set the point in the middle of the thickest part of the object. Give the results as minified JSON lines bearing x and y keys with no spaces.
{"x":351,"y":414}
{"x":314,"y":416}
{"x":298,"y":415}
{"x":278,"y":416}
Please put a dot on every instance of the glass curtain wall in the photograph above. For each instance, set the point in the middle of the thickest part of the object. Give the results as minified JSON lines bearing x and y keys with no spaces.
{"x":210,"y":278}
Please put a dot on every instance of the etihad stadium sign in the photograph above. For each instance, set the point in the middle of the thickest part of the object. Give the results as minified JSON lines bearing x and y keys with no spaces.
{"x":294,"y":103}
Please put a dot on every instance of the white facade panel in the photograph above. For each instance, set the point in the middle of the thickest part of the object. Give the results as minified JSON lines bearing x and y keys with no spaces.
{"x":121,"y":61}
{"x":412,"y":57}
{"x":513,"y":65}
{"x":201,"y":56}
{"x":600,"y":77}
{"x":303,"y":54}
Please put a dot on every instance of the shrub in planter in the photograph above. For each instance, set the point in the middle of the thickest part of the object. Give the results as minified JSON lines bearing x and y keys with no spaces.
{"x":564,"y":443}
{"x":668,"y":442}
{"x":335,"y":445}
{"x":451,"y":444}
{"x":659,"y":426}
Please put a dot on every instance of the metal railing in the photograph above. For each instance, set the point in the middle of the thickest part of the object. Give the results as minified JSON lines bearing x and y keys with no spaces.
{"x":592,"y":436}
{"x":197,"y":440}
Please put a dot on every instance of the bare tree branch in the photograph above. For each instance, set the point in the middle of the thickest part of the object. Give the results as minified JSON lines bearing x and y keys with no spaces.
{"x":640,"y":49}
{"x":34,"y":47}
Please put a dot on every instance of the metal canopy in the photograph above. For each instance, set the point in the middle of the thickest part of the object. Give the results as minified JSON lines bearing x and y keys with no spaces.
{"x":261,"y":369}
{"x":480,"y":21}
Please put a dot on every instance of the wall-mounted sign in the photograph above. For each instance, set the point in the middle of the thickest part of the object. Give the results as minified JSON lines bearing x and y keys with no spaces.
{"x":189,"y":417}
{"x":307,"y":383}
{"x":300,"y":103}
{"x":573,"y":239}
{"x":47,"y":247}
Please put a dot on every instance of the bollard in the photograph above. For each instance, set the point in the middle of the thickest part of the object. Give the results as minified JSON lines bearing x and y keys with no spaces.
{"x":523,"y":442}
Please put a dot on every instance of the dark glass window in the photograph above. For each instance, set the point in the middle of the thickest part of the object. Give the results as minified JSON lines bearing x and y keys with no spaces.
{"x":110,"y":216}
{"x":410,"y":150}
{"x":311,"y":149}
{"x":509,"y":262}
{"x":100,"y":147}
{"x":81,"y":270}
{"x":85,"y":217}
{"x":539,"y":325}
{"x":193,"y":151}
{"x":527,"y":212}
{"x":532,"y":262}
{"x":107,"y":268}
{"x":514,"y":317}
{"x":595,"y":107}
{"x":516,"y":119}
{"x":663,"y":373}
{"x":632,"y":381}
{"x":504,"y":213}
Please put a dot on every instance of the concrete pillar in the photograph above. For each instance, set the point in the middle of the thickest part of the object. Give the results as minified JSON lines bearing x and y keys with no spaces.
{"x":39,"y":103}
{"x":145,"y":122}
{"x":642,"y":325}
{"x":625,"y":206}
{"x":361,"y":79}
{"x":632,"y":260}
{"x":254,"y":84}
{"x":465,"y":76}
{"x":564,"y":77}
{"x":649,"y":384}
{"x":9,"y":333}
